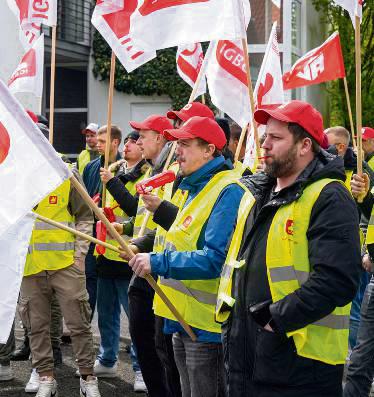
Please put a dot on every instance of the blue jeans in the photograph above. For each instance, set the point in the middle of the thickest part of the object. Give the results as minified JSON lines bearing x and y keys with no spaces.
{"x":111,"y":295}
{"x":200,"y":367}
{"x":91,"y":277}
{"x":361,"y":368}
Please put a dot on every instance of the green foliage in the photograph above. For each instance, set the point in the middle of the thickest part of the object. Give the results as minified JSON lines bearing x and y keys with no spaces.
{"x":338,"y":19}
{"x":157,"y":77}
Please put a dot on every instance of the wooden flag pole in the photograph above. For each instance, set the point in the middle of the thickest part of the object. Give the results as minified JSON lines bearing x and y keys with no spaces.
{"x":349,"y":112}
{"x":113,"y":232}
{"x":109,"y":120}
{"x":52,"y":86}
{"x":358,"y":95}
{"x":240,"y":144}
{"x":203,"y":101}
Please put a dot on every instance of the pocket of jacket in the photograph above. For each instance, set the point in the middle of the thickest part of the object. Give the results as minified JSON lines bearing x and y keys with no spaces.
{"x":24,"y":312}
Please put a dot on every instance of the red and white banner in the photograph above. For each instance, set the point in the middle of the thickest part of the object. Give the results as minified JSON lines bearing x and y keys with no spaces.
{"x":268,"y":91}
{"x":354,"y":7}
{"x":189,"y":61}
{"x":113,"y":20}
{"x":321,"y":64}
{"x":158,"y":24}
{"x":28,"y":77}
{"x":31,"y":14}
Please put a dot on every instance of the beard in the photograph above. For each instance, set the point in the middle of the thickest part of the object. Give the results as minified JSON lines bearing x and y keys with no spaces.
{"x":282,"y":166}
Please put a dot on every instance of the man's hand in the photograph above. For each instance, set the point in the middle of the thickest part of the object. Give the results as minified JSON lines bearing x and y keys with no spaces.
{"x":118,"y":227}
{"x":105,"y":175}
{"x":141,"y":264}
{"x":151,"y":202}
{"x":360,"y":186}
{"x":124,"y":254}
{"x":367,"y":264}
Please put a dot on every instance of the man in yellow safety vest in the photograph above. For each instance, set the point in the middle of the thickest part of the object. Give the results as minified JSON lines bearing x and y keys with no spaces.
{"x":91,"y":152}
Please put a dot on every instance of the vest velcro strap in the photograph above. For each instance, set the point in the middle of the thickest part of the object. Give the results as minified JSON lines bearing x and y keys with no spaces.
{"x":200,"y":296}
{"x":224,"y":298}
{"x":334,"y":321}
{"x":170,"y":246}
{"x":141,"y":210}
{"x":54,"y":246}
{"x":121,"y":219}
{"x":137,"y":230}
{"x":40,"y":225}
{"x":288,"y":273}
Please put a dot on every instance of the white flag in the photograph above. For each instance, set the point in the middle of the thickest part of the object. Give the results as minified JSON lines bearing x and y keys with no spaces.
{"x":28,"y":77}
{"x":190,"y":58}
{"x":112,"y":19}
{"x":158,"y":24}
{"x":354,"y":7}
{"x":29,"y":166}
{"x":268,"y":91}
{"x":31,"y":14}
{"x":13,"y":250}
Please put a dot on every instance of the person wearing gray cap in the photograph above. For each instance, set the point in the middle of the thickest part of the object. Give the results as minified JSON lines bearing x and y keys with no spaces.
{"x":90,"y":153}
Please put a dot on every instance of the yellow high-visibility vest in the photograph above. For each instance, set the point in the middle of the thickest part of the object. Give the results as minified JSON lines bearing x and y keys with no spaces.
{"x":194,"y":299}
{"x":288,"y":267}
{"x":51,"y":248}
{"x":348,"y":175}
{"x":371,"y":163}
{"x":370,"y":230}
{"x":83,"y":159}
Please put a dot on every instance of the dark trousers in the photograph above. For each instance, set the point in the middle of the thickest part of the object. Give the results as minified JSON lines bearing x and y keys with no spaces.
{"x":164,"y":348}
{"x":142,"y":331}
{"x":91,"y":278}
{"x":7,"y":349}
{"x":361,"y":368}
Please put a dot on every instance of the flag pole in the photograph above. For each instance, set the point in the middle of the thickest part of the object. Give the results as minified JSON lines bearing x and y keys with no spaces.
{"x":113,"y":232}
{"x":52,"y":86}
{"x":203,"y":99}
{"x":358,"y":95}
{"x":240,"y":144}
{"x":109,"y":121}
{"x":349,"y":111}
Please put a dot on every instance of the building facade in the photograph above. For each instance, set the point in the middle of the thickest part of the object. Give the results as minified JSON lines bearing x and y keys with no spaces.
{"x":80,"y":98}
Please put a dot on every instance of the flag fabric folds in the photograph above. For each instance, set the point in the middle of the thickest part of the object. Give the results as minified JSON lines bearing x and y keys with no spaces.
{"x":354,"y":7}
{"x":189,"y":61}
{"x":29,"y":166}
{"x":158,"y":24}
{"x":112,"y":18}
{"x":321,"y":64}
{"x":28,"y":77}
{"x":13,"y":251}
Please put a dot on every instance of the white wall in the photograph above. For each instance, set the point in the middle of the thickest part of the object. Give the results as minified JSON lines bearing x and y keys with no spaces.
{"x":11,"y":51}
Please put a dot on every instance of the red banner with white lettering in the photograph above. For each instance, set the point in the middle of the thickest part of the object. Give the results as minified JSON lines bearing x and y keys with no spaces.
{"x":31,"y":14}
{"x":112,"y":18}
{"x":189,"y":61}
{"x":319,"y":65}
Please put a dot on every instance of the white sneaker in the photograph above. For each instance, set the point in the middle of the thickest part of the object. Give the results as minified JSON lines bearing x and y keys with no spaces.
{"x":89,"y":387}
{"x":101,"y":371}
{"x":6,"y":373}
{"x":32,"y":385}
{"x":139,"y":385}
{"x":47,"y":387}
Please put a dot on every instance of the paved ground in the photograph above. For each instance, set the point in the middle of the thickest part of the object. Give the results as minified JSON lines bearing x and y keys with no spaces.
{"x":68,"y":385}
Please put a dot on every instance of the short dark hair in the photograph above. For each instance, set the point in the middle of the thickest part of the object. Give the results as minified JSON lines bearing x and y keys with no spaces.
{"x":115,"y":132}
{"x":236,"y":131}
{"x":201,"y":142}
{"x":299,"y":133}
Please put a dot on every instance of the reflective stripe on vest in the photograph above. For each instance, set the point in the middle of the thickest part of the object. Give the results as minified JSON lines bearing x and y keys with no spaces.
{"x":195,"y":299}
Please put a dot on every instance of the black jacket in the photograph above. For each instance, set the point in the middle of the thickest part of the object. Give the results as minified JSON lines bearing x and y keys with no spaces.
{"x":260,"y":363}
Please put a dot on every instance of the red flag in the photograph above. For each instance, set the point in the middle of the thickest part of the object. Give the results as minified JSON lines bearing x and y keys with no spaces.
{"x":321,"y":64}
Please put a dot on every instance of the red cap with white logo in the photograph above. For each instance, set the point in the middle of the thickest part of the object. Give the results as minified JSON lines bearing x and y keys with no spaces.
{"x":367,"y":133}
{"x":190,"y":110}
{"x":199,"y":127}
{"x":298,"y":112}
{"x":155,"y":122}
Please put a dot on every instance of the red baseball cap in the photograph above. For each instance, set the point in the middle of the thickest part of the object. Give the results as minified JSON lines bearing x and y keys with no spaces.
{"x":199,"y":127}
{"x":155,"y":122}
{"x":367,"y":133}
{"x":190,"y":110}
{"x":298,"y":112}
{"x":32,"y":115}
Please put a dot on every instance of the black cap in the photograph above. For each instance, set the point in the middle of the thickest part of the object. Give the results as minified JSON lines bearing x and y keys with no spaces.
{"x":44,"y":129}
{"x":132,"y":135}
{"x":43,"y":120}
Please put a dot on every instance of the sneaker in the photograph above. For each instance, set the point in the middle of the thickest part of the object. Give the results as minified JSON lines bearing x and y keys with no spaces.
{"x":23,"y":352}
{"x":371,"y":394}
{"x":6,"y":373}
{"x":104,"y":372}
{"x":32,"y":385}
{"x":139,"y":385}
{"x":47,"y":387}
{"x":89,"y":387}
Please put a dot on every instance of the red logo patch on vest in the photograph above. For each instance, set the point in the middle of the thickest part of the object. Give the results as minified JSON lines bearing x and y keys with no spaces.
{"x":187,"y":222}
{"x":53,"y":200}
{"x":289,"y":227}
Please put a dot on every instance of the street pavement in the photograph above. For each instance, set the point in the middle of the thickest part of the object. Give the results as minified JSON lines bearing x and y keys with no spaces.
{"x":68,"y":384}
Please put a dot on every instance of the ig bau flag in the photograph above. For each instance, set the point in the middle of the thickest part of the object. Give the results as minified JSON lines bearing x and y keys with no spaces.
{"x":158,"y":24}
{"x":31,"y":14}
{"x":354,"y":7}
{"x":268,"y":91}
{"x":28,"y":77}
{"x":29,"y":166}
{"x":112,"y":18}
{"x":190,"y":59}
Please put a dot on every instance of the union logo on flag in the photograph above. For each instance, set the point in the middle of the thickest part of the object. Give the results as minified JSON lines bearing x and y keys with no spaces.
{"x":27,"y":67}
{"x":150,"y":6}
